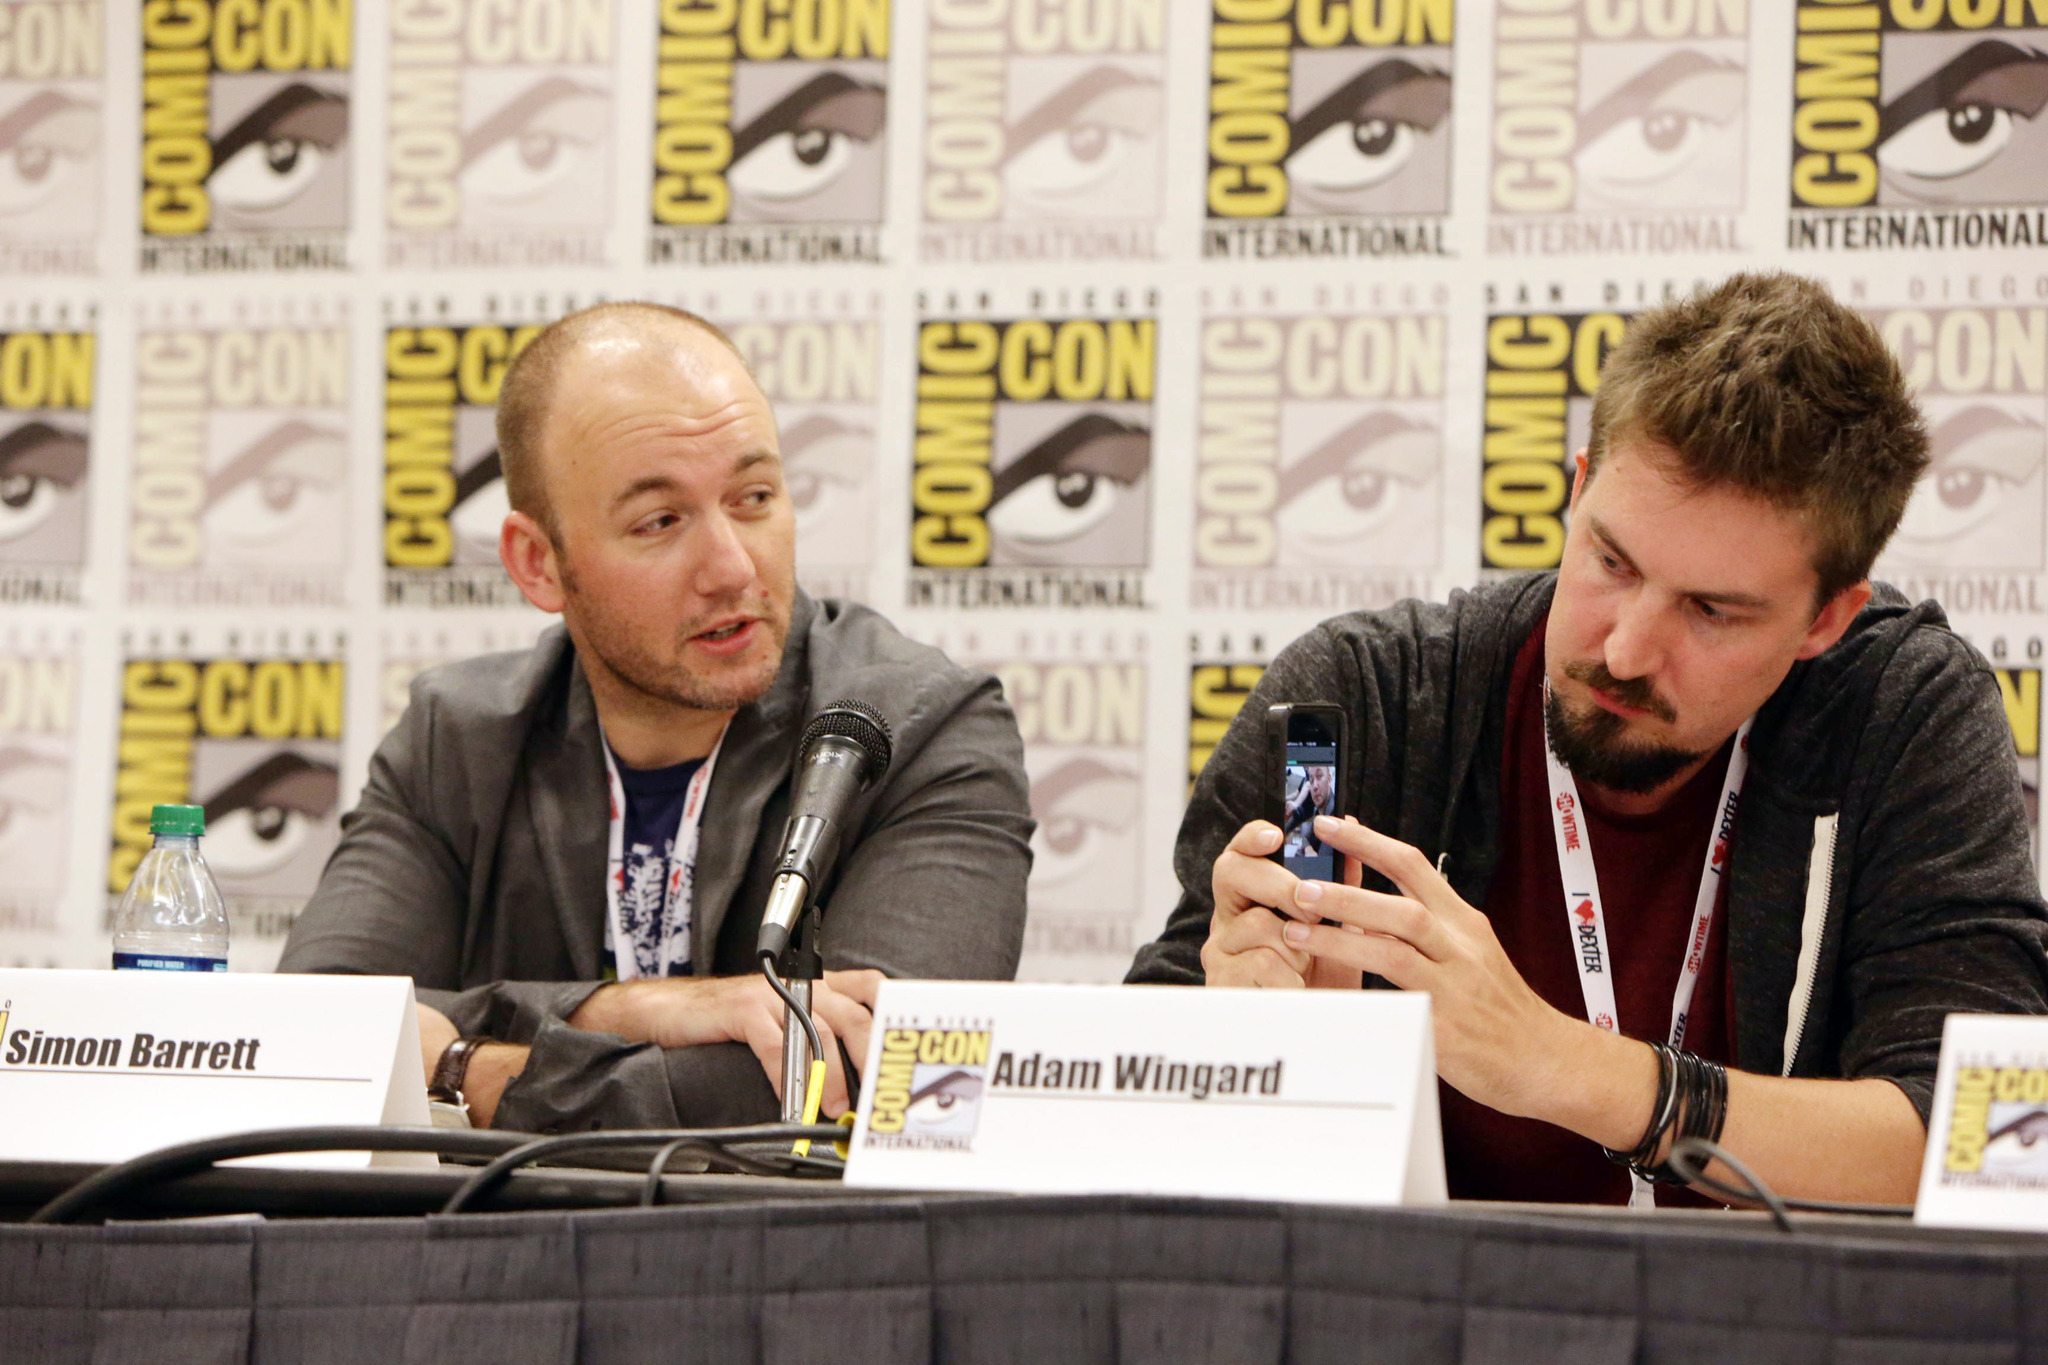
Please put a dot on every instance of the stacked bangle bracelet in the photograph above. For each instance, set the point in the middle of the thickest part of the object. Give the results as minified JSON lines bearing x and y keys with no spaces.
{"x":1692,"y":1101}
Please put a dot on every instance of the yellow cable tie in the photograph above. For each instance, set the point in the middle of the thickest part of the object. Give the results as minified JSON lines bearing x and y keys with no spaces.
{"x":814,"y":1100}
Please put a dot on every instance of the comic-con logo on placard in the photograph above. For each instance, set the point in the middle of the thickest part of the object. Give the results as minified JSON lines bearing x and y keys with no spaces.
{"x":1542,"y":370}
{"x":245,"y":134}
{"x":444,"y":490}
{"x":1044,"y":125}
{"x":928,"y":1086}
{"x":1618,"y":126}
{"x":1083,"y":724}
{"x":1916,"y":124}
{"x":769,"y":131}
{"x":498,"y":149}
{"x":1031,"y":475}
{"x":1998,"y":1126}
{"x":38,"y":727}
{"x":1319,"y":460}
{"x":1329,"y":130}
{"x":1980,"y":375}
{"x":820,"y":374}
{"x":52,"y":105}
{"x":46,"y":432}
{"x":254,"y":739}
{"x":238,"y":489}
{"x":1223,"y":674}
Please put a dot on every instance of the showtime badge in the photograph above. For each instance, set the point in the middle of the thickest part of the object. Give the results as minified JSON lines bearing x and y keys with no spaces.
{"x":238,"y":490}
{"x":1542,"y":370}
{"x":39,"y":682}
{"x":47,"y":354}
{"x":245,"y":134}
{"x":1619,"y":126}
{"x":1043,"y":131}
{"x":52,"y":104}
{"x":249,"y":727}
{"x":498,"y":151}
{"x":1329,"y":131}
{"x":444,"y":488}
{"x":1320,"y":458}
{"x":770,"y":131}
{"x":1032,"y":460}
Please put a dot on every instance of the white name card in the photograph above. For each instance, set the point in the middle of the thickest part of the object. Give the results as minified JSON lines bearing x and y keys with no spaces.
{"x":104,"y":1066}
{"x":1313,"y":1096}
{"x":1987,"y":1140}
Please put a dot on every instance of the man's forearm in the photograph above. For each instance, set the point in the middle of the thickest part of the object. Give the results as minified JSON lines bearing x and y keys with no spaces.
{"x":1858,"y":1141}
{"x":492,"y":1067}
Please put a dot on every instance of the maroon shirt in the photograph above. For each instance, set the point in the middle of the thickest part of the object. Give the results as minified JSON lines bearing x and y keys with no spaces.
{"x":1649,"y":870}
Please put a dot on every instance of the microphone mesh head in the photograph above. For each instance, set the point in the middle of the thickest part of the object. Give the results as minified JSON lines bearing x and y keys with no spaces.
{"x":856,"y":721}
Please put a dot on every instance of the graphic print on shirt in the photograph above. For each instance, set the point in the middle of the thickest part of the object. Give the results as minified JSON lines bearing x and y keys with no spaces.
{"x":648,"y":905}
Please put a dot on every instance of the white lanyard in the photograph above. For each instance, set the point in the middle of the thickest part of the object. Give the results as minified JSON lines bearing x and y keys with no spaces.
{"x":1587,"y":920}
{"x":670,"y":942}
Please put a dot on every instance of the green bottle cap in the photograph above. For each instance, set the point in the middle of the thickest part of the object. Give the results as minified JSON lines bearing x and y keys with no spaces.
{"x":188,"y":821}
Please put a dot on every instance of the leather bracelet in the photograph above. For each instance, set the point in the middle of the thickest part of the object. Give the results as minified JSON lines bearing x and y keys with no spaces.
{"x":452,"y":1070}
{"x":1663,"y":1111}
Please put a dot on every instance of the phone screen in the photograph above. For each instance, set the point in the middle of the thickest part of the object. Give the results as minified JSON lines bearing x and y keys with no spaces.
{"x":1311,"y":790}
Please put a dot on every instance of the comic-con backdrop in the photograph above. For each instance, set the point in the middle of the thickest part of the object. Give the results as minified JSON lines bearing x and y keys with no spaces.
{"x":1114,"y":343}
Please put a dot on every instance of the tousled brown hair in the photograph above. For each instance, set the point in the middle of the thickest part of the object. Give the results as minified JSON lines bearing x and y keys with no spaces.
{"x":529,"y":388}
{"x":1766,"y":384}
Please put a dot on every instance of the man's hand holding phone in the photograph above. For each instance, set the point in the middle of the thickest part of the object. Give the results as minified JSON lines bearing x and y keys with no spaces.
{"x":1245,"y":947}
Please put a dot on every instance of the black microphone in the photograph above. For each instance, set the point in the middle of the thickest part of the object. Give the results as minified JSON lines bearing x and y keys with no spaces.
{"x":845,"y":749}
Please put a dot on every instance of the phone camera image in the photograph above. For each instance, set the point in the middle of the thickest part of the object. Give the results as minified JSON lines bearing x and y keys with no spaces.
{"x":1311,"y":791}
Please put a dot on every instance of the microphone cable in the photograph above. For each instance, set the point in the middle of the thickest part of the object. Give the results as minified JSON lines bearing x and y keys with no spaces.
{"x":1690,"y":1157}
{"x":814,"y":1088}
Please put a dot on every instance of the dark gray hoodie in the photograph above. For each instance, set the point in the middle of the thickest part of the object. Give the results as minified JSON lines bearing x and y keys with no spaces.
{"x":1880,"y":878}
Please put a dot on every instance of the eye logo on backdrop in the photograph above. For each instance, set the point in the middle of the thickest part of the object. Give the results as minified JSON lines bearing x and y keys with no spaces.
{"x":38,"y":726}
{"x":1329,"y":128}
{"x":245,"y":134}
{"x":1031,"y":481}
{"x":46,"y":396}
{"x":1222,"y":675}
{"x":1916,"y":125}
{"x":1980,"y":375}
{"x":820,"y":373}
{"x":770,"y":124}
{"x":444,"y":490}
{"x":1043,"y":131}
{"x":251,"y":731}
{"x":499,"y":147}
{"x":1320,"y":454}
{"x":238,"y":493}
{"x":1619,"y":128}
{"x":52,"y":105}
{"x":1542,"y":370}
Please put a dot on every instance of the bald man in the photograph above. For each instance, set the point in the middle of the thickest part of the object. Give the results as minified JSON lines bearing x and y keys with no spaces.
{"x":568,"y":848}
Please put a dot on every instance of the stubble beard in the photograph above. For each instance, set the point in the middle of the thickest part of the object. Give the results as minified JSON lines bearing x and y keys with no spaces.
{"x":1593,"y":745}
{"x":612,"y":639}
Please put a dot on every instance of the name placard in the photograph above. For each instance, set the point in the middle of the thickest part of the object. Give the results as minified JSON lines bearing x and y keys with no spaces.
{"x":1987,"y":1139}
{"x":104,"y":1066}
{"x":1312,"y":1096}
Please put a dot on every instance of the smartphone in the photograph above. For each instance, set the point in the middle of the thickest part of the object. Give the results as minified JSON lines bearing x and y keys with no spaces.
{"x":1306,"y":742}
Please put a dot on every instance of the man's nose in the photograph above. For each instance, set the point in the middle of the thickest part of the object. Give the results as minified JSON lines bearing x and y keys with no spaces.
{"x":1635,"y":643}
{"x":723,"y":565}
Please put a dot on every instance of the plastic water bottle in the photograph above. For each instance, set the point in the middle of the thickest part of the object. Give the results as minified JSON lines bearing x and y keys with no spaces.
{"x":172,"y":919}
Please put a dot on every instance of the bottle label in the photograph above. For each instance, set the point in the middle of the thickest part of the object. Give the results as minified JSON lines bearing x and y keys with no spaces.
{"x":161,"y":962}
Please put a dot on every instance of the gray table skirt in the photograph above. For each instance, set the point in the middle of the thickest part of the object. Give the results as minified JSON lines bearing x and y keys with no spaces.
{"x":1015,"y":1279}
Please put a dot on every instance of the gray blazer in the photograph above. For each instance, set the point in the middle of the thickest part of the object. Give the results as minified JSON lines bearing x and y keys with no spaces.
{"x":475,"y":860}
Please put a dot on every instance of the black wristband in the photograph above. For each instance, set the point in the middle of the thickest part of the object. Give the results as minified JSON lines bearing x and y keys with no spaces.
{"x":452,"y":1070}
{"x":1663,"y":1112}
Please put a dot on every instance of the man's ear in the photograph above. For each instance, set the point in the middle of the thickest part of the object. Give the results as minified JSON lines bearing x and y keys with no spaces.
{"x":1834,"y":618}
{"x":1578,"y":476}
{"x":529,"y":557}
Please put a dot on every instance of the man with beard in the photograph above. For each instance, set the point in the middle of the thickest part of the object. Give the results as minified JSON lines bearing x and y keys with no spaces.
{"x":578,"y":969}
{"x":1545,"y":772}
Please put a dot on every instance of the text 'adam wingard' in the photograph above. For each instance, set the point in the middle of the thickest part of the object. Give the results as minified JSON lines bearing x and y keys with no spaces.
{"x":1146,"y":1073}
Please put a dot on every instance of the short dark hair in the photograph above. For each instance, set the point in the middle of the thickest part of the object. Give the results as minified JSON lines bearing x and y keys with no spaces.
{"x":1766,"y":384}
{"x":529,"y":387}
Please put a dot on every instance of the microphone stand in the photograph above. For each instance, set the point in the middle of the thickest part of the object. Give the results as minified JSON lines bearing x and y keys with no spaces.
{"x":799,"y":966}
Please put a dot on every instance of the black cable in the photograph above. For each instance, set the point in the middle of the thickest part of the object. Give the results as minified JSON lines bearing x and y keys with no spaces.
{"x":803,"y":1016}
{"x":169,"y":1163}
{"x":714,"y":1140}
{"x":1691,"y":1156}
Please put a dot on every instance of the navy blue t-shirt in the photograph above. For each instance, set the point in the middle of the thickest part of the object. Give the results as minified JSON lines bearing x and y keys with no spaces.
{"x":654,"y":806}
